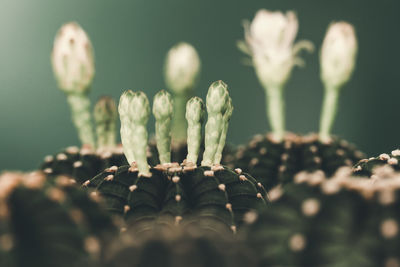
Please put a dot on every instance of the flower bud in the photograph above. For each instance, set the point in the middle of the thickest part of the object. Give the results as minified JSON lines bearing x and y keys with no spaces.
{"x":182,"y":68}
{"x":105,"y":110}
{"x":269,"y":40}
{"x":338,"y":54}
{"x":72,"y":59}
{"x":162,"y":105}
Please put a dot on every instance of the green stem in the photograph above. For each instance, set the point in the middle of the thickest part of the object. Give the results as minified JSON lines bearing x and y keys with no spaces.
{"x":140,"y":111}
{"x":217,"y":101}
{"x":224,"y":131}
{"x":179,"y":124}
{"x":195,"y":117}
{"x":81,"y":117}
{"x":126,"y":125}
{"x":213,"y":130}
{"x":105,"y":115}
{"x":106,"y":136}
{"x":276,"y":111}
{"x":163,"y":110}
{"x":329,"y":110}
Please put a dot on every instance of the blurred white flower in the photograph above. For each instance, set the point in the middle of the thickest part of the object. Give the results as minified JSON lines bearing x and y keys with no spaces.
{"x":72,"y":59}
{"x":338,"y":54}
{"x":269,"y":40}
{"x":182,"y":67}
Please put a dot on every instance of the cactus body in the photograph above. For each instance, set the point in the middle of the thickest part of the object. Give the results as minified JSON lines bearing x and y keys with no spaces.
{"x":182,"y":246}
{"x":82,"y":164}
{"x":275,"y":162}
{"x":340,"y":221}
{"x":180,"y":192}
{"x":50,"y":224}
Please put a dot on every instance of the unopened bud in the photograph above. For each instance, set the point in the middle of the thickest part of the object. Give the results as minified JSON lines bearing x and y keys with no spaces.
{"x":338,"y":54}
{"x":72,"y":59}
{"x":182,"y":68}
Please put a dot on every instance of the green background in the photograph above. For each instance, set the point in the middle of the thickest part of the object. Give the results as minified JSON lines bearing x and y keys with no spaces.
{"x":131,"y":39}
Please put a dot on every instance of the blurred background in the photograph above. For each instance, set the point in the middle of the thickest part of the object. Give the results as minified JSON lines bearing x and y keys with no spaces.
{"x":131,"y":39}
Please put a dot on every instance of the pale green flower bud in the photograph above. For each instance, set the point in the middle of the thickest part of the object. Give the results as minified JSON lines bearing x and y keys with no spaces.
{"x":182,"y":68}
{"x":72,"y":59}
{"x":270,"y":41}
{"x":338,"y":54}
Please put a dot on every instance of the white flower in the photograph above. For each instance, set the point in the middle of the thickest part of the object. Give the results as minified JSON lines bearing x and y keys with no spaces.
{"x":338,"y":54}
{"x":269,"y":40}
{"x":182,"y":67}
{"x":72,"y":59}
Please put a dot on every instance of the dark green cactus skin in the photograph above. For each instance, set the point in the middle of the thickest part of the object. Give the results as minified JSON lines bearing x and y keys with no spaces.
{"x":81,"y":166}
{"x":344,"y":229}
{"x":365,"y":167}
{"x":275,"y":163}
{"x":54,"y":224}
{"x":180,"y":193}
{"x":165,"y":245}
{"x":7,"y":257}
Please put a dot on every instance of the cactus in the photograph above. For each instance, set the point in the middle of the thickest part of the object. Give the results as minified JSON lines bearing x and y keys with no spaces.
{"x":168,"y":245}
{"x":277,"y":162}
{"x":275,"y":158}
{"x":84,"y":163}
{"x":140,"y":192}
{"x":340,"y":221}
{"x":50,"y":224}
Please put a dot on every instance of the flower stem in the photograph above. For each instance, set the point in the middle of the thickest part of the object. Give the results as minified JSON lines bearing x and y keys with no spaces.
{"x":179,"y":124}
{"x":82,"y":118}
{"x":276,"y":111}
{"x":105,"y":117}
{"x":329,"y":108}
